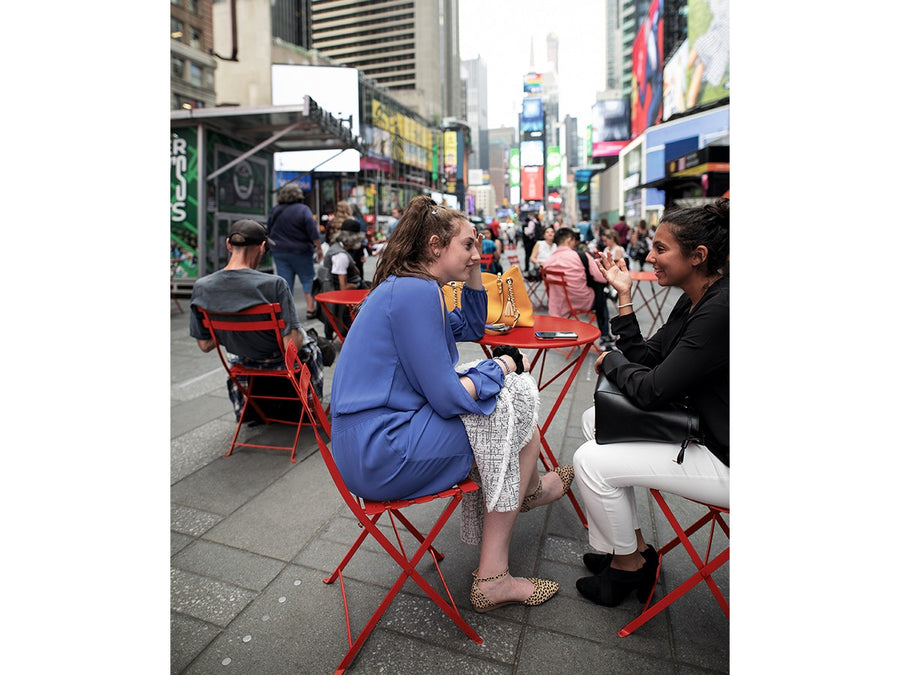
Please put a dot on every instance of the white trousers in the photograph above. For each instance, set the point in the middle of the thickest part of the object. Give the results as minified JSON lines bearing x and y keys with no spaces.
{"x":607,"y":475}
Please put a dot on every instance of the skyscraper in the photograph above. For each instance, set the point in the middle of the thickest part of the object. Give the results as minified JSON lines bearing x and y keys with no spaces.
{"x":475,"y":88}
{"x":408,"y":48}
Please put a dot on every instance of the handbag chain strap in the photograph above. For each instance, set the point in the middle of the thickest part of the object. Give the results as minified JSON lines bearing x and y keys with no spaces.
{"x":511,"y":309}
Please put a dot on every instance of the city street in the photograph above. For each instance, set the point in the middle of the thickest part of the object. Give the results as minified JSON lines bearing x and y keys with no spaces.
{"x":253,"y":536}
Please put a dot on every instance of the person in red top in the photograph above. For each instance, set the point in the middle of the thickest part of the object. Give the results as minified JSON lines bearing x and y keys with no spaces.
{"x":494,"y":227}
{"x":622,"y":230}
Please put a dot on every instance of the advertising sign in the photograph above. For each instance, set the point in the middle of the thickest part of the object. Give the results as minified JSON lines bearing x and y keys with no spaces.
{"x":514,"y":167}
{"x":336,"y":90}
{"x":707,"y":71}
{"x":532,"y":115}
{"x":532,"y":183}
{"x":533,"y":83}
{"x":610,"y":127}
{"x":647,"y":72}
{"x":532,"y":153}
{"x":554,"y":166}
{"x":244,"y":188}
{"x":450,"y":164}
{"x":184,"y":211}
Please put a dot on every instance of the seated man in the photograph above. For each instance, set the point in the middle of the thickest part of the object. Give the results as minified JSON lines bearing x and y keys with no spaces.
{"x":239,"y":286}
{"x":340,"y":271}
{"x":585,"y":282}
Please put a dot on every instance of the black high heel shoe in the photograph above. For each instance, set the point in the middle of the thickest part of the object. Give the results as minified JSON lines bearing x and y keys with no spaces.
{"x":597,"y":562}
{"x":612,"y":586}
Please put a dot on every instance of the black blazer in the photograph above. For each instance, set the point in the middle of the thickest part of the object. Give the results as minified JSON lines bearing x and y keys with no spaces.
{"x":687,"y":358}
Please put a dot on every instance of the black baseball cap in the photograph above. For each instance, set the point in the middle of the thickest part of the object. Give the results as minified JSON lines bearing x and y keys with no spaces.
{"x":251,"y":233}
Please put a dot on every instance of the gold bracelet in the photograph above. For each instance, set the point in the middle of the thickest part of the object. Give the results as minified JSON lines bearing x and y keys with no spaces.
{"x":627,"y":304}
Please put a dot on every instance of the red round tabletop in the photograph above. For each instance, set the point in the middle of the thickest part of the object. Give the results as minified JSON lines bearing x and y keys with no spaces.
{"x":523,"y":337}
{"x":643,"y":276}
{"x":351,"y":296}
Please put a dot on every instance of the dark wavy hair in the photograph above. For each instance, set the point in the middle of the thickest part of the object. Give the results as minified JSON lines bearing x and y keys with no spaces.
{"x":407,"y":253}
{"x":705,"y":225}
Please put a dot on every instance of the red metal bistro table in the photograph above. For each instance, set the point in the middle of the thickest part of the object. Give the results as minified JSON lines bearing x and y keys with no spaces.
{"x":350,"y":297}
{"x":524,"y":339}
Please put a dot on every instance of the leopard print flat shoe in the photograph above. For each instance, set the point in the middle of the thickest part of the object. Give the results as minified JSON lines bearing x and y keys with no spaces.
{"x":566,"y":474}
{"x":544,"y":589}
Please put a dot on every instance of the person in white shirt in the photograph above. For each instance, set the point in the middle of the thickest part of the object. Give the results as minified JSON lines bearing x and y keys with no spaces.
{"x":544,"y":248}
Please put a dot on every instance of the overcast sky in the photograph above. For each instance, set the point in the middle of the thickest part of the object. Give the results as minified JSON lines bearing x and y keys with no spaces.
{"x":502,"y":32}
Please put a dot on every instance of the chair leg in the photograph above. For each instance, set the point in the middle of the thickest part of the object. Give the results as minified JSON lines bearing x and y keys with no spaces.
{"x":408,"y":567}
{"x":705,"y":567}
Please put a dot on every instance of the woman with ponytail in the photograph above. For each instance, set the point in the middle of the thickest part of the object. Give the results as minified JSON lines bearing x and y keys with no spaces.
{"x":687,"y":359}
{"x":398,"y":402}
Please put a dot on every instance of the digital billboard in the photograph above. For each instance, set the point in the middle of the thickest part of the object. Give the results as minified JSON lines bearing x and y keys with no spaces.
{"x":336,"y":90}
{"x":532,"y":115}
{"x":533,"y":83}
{"x":532,"y":183}
{"x":514,"y":167}
{"x":610,"y":127}
{"x":532,"y":153}
{"x":708,"y":69}
{"x":554,"y":166}
{"x":647,"y":72}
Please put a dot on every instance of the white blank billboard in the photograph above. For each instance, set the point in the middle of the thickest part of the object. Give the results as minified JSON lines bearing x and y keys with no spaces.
{"x":336,"y":90}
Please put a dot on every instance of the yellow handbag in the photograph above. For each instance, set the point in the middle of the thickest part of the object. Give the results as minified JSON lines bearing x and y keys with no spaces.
{"x":507,"y":297}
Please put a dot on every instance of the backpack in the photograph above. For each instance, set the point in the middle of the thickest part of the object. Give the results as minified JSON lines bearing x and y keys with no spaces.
{"x":591,"y":281}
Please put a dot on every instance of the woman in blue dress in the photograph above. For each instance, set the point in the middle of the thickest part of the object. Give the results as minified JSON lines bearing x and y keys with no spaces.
{"x":396,"y":397}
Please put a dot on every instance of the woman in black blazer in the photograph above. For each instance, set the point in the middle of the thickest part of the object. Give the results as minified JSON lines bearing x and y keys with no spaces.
{"x":687,"y":359}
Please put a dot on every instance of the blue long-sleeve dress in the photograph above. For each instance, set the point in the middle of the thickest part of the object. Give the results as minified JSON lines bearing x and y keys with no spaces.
{"x":396,"y":398}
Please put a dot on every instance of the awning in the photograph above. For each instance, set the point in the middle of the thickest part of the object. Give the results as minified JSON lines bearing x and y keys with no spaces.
{"x":276,"y":128}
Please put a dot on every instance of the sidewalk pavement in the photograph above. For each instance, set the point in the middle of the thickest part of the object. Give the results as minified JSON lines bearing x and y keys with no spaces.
{"x":253,"y":536}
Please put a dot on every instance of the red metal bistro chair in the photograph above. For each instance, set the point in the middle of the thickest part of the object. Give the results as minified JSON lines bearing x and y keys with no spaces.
{"x":705,"y":566}
{"x":368,"y":514}
{"x":264,"y":318}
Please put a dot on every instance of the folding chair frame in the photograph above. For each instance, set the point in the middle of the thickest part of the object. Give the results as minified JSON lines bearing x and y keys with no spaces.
{"x":536,"y":293}
{"x":705,"y":566}
{"x":258,"y":318}
{"x":553,"y":278}
{"x":368,"y":514}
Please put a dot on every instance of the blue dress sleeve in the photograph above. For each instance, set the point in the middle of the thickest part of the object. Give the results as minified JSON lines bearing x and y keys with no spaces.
{"x":427,"y":352}
{"x":467,"y":322}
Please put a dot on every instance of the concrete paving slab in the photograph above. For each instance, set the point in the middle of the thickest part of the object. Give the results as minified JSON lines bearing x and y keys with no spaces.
{"x":289,"y":628}
{"x":545,"y":651}
{"x":190,"y":521}
{"x":240,"y":568}
{"x":206,"y":599}
{"x":227,"y":483}
{"x":282,"y":518}
{"x":188,"y":637}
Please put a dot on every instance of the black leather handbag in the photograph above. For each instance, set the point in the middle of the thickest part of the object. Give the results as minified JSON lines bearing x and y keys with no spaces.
{"x":618,"y":420}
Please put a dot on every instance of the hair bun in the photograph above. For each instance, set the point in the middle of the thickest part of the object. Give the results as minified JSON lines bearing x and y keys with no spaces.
{"x":720,"y":209}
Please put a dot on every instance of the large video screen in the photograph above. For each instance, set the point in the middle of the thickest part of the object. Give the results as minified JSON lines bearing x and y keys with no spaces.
{"x":532,"y":115}
{"x":610,"y":127}
{"x":532,"y":153}
{"x":647,"y":72}
{"x":532,"y":183}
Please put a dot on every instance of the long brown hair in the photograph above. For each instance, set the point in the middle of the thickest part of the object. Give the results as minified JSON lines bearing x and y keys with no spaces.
{"x":407,"y":253}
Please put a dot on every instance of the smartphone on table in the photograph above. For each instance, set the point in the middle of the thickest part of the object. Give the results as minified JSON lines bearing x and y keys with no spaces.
{"x":555,"y":335}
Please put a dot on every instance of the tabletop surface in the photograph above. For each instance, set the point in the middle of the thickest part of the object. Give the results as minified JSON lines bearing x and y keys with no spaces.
{"x":643,"y":276}
{"x":523,"y":337}
{"x":351,"y":296}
